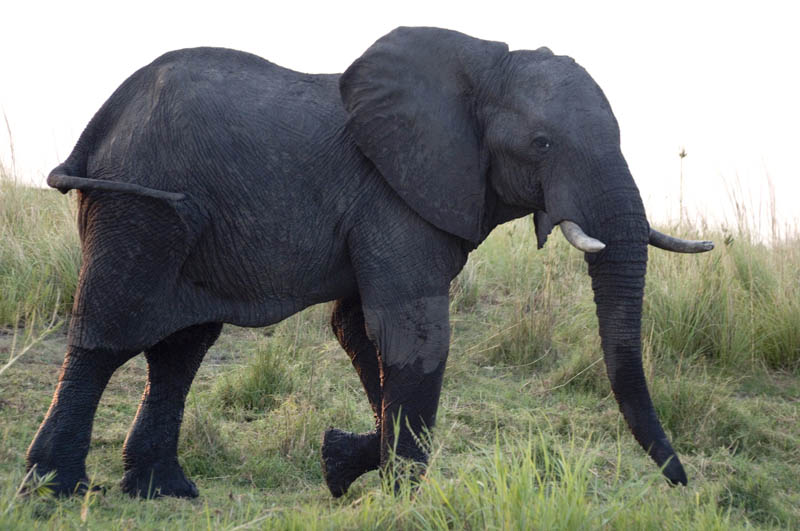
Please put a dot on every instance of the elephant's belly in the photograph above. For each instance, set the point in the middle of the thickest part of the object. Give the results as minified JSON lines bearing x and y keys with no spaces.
{"x":259,"y":281}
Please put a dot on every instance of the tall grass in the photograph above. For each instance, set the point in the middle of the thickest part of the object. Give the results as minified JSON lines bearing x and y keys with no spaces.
{"x":39,"y":250}
{"x":738,"y":305}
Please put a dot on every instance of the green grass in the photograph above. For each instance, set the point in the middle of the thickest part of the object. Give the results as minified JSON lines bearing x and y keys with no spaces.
{"x":739,"y":305}
{"x":39,"y":251}
{"x":528,"y":434}
{"x":262,"y":382}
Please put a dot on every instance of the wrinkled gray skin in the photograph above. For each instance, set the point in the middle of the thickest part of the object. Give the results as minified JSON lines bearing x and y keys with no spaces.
{"x":216,"y":187}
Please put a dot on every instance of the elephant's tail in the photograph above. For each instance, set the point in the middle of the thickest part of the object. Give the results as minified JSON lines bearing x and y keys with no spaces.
{"x":60,"y":179}
{"x":193,"y":216}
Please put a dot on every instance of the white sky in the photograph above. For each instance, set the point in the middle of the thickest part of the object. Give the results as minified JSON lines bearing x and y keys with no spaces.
{"x":721,"y":79}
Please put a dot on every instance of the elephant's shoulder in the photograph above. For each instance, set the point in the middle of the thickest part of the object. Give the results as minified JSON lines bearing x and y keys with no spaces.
{"x":392,"y":247}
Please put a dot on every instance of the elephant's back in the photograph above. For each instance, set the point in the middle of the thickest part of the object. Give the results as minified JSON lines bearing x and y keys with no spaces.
{"x":200,"y":118}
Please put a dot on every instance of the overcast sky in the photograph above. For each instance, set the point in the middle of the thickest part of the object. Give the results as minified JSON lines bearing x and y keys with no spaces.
{"x":720,"y":79}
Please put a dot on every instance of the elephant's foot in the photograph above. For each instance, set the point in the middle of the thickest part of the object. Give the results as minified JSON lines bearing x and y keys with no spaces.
{"x":346,"y":455}
{"x":404,"y":464}
{"x":404,"y":473}
{"x":66,"y":482}
{"x":70,"y":474}
{"x":158,"y":480}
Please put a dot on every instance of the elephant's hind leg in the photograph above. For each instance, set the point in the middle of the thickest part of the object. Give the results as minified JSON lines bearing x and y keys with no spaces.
{"x":151,"y":448}
{"x":346,"y":455}
{"x":62,"y":442}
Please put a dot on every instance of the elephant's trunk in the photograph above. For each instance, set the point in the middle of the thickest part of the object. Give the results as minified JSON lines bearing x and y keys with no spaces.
{"x":618,"y":275}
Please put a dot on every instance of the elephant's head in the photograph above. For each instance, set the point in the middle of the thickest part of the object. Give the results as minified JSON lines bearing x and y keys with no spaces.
{"x":470,"y":134}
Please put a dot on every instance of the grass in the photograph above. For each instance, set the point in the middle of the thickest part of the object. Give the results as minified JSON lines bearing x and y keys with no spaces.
{"x":528,"y":435}
{"x":39,"y":253}
{"x":262,"y":382}
{"x":738,"y":305}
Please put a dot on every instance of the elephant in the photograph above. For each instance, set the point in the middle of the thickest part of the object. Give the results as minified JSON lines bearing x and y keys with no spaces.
{"x":216,"y":187}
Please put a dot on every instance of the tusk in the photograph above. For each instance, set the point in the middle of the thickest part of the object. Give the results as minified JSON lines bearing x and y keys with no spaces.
{"x":677,"y":245}
{"x":575,"y":235}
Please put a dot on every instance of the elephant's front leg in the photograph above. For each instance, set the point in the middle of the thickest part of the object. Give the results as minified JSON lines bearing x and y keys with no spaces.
{"x":413,"y":340}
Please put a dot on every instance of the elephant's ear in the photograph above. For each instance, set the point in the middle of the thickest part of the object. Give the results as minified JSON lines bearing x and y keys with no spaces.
{"x":544,"y":225}
{"x":411,"y":106}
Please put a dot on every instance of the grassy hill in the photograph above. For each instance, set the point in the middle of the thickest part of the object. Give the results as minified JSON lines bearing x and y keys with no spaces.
{"x":528,"y":435}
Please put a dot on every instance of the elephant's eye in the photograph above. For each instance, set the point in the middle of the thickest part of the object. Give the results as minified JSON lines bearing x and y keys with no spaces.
{"x":542,"y":142}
